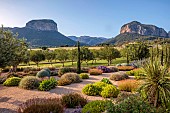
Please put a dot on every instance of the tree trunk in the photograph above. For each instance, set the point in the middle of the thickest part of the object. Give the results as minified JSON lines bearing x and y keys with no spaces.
{"x":15,"y":68}
{"x":63,"y":64}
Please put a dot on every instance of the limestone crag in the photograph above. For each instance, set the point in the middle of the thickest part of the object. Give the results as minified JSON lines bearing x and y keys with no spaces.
{"x":43,"y":25}
{"x":143,"y":29}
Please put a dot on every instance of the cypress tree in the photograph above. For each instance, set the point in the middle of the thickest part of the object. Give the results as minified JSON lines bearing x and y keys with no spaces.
{"x":78,"y":58}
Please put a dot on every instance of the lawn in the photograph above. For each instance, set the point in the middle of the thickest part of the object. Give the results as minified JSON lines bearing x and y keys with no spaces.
{"x":69,"y":64}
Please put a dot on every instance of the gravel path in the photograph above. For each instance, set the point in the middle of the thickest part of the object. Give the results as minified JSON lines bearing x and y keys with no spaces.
{"x":12,"y":97}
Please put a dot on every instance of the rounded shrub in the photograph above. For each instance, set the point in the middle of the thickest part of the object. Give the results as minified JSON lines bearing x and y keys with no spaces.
{"x":42,"y":105}
{"x":100,"y":86}
{"x":64,"y":81}
{"x":106,"y":80}
{"x":73,"y":77}
{"x":47,"y":69}
{"x":104,"y":69}
{"x":113,"y":68}
{"x":29,"y":82}
{"x":43,"y":73}
{"x":84,"y":76}
{"x":97,"y":106}
{"x":73,"y":100}
{"x":138,"y":73}
{"x":48,"y":84}
{"x":90,"y":90}
{"x":13,"y":81}
{"x":119,"y":76}
{"x":95,"y":72}
{"x":110,"y":91}
{"x":134,"y":104}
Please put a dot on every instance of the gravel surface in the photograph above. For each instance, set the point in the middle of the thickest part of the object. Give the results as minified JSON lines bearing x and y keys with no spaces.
{"x":12,"y":97}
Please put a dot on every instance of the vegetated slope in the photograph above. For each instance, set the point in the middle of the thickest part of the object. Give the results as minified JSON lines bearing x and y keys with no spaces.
{"x":89,"y":40}
{"x":43,"y":38}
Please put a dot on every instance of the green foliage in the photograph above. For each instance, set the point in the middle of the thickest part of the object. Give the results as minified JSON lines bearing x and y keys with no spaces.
{"x":49,"y":55}
{"x":48,"y":84}
{"x":106,"y":80}
{"x":47,"y":69}
{"x":91,"y":90}
{"x":156,"y":86}
{"x":110,"y":91}
{"x":134,"y":104}
{"x":37,"y":56}
{"x":62,"y":55}
{"x":41,"y":105}
{"x":85,"y":55}
{"x":72,"y":55}
{"x":119,"y":76}
{"x":29,"y":82}
{"x":100,"y":86}
{"x":43,"y":73}
{"x":109,"y":53}
{"x":66,"y":70}
{"x":13,"y":50}
{"x":97,"y":106}
{"x":84,"y":76}
{"x":13,"y":81}
{"x":138,"y":73}
{"x":73,"y":100}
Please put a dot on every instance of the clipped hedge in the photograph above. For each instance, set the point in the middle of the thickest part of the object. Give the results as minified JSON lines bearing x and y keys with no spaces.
{"x":13,"y":81}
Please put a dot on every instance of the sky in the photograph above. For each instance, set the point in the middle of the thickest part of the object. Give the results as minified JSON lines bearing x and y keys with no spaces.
{"x":101,"y":18}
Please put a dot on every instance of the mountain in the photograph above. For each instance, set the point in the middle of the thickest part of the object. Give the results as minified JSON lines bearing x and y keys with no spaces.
{"x":136,"y":31}
{"x":143,"y":29}
{"x":88,"y":40}
{"x":42,"y":33}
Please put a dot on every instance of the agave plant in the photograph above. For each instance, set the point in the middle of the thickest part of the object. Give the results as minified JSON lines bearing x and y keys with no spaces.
{"x":157,"y":86}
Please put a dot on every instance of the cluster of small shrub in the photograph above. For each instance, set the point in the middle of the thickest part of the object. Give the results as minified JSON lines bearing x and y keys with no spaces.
{"x":138,"y":73}
{"x":95,"y":72}
{"x":119,"y":76}
{"x":52,"y":105}
{"x":69,"y":78}
{"x":103,"y":88}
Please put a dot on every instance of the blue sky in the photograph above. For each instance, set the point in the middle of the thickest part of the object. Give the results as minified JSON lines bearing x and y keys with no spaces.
{"x":86,"y":17}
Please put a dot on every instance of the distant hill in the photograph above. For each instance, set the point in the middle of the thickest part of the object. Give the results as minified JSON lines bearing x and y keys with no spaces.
{"x":89,"y":40}
{"x":42,"y":33}
{"x":136,"y":31}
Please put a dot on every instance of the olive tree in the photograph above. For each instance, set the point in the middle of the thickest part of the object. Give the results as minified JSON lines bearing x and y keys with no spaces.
{"x":62,"y":55}
{"x":37,"y":56}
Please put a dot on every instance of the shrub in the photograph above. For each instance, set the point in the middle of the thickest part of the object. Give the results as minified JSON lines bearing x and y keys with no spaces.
{"x":47,"y":69}
{"x":64,"y":81}
{"x":73,"y":77}
{"x":95,"y":72}
{"x":84,"y":76}
{"x":29,"y":82}
{"x":123,"y":95}
{"x":119,"y":76}
{"x":13,"y":81}
{"x":134,"y":104}
{"x":138,"y":73}
{"x":66,"y":70}
{"x":97,"y":106}
{"x":128,"y":85}
{"x":110,"y":91}
{"x":90,"y":90}
{"x":54,"y":73}
{"x":41,"y":105}
{"x":100,"y":86}
{"x":106,"y":80}
{"x":104,"y":69}
{"x":43,"y":73}
{"x":73,"y":100}
{"x":113,"y":68}
{"x":85,"y":69}
{"x":48,"y":84}
{"x":125,"y":68}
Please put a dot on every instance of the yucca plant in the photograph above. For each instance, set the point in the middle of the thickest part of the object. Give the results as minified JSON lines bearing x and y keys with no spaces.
{"x":157,"y":86}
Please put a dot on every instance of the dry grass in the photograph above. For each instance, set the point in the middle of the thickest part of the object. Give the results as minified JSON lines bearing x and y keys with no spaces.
{"x":128,"y":85}
{"x":95,"y":72}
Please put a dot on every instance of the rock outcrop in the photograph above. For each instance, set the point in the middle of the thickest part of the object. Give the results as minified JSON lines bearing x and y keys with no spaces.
{"x":169,"y":34}
{"x":143,"y":29}
{"x":42,"y":25}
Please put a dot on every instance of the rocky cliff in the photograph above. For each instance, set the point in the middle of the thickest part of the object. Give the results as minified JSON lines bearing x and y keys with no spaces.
{"x":169,"y":34}
{"x":143,"y":29}
{"x":42,"y":25}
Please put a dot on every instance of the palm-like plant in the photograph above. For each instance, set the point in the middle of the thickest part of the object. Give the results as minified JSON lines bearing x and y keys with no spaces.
{"x":157,"y":86}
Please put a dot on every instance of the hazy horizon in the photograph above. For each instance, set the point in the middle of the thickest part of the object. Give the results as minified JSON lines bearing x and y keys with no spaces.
{"x":86,"y":17}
